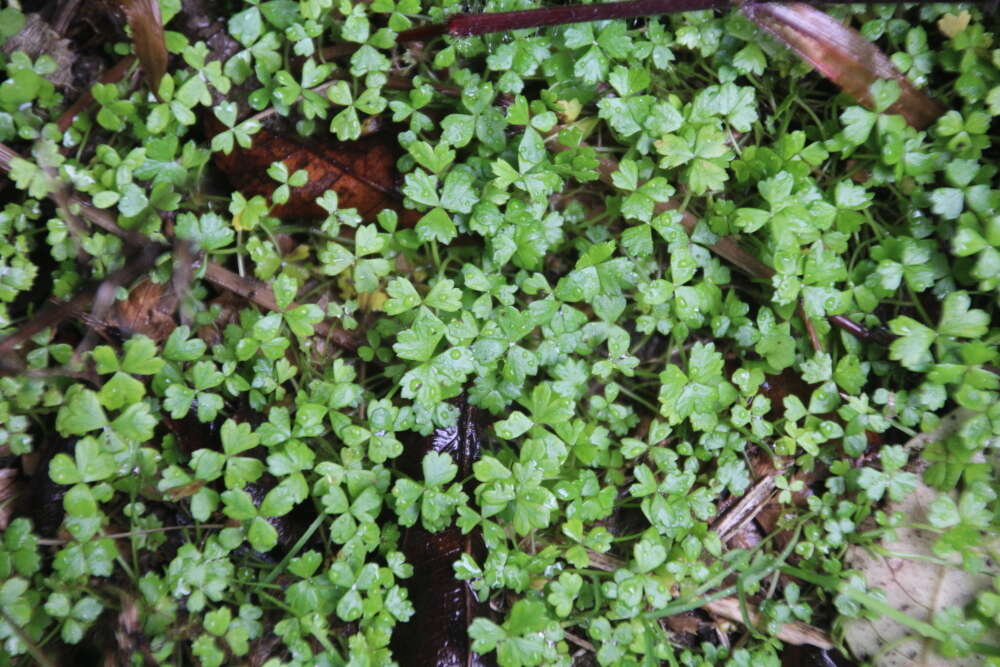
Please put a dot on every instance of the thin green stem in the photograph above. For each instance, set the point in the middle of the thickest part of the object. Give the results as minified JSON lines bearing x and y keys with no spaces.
{"x":35,"y":650}
{"x":280,"y":567}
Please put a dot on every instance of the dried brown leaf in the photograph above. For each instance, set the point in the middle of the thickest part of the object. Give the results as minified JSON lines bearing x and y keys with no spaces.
{"x":8,"y":491}
{"x":437,"y":633}
{"x":147,"y":37}
{"x":361,"y":172}
{"x":148,"y":310}
{"x":842,"y":55}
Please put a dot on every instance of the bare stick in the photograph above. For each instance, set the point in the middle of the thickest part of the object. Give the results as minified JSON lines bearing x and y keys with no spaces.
{"x":746,"y":509}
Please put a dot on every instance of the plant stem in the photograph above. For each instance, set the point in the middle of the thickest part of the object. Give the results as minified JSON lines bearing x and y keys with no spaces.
{"x":280,"y":567}
{"x":464,"y":25}
{"x":34,"y":649}
{"x":467,"y":25}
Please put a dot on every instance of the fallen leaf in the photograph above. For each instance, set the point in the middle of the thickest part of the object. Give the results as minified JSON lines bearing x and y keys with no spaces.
{"x":842,"y":55}
{"x":148,"y":310}
{"x":361,"y":172}
{"x":437,"y":633}
{"x":37,"y":38}
{"x":147,"y":37}
{"x":8,"y":491}
{"x":914,"y":586}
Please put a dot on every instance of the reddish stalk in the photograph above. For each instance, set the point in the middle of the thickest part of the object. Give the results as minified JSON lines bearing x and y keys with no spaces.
{"x":466,"y":25}
{"x":879,"y":336}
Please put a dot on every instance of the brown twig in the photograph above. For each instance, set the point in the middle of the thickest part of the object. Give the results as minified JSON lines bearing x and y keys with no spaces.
{"x":814,"y":339}
{"x":746,"y":509}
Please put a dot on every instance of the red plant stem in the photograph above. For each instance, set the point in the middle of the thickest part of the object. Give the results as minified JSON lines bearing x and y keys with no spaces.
{"x":862,"y":333}
{"x":466,"y":25}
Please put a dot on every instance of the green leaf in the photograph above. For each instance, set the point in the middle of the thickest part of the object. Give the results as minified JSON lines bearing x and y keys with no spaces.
{"x":419,"y":342}
{"x":285,"y":287}
{"x":210,"y":231}
{"x":912,"y":348}
{"x":205,"y":375}
{"x":246,"y":26}
{"x":957,"y":319}
{"x":179,"y":347}
{"x":62,"y":470}
{"x":649,"y":555}
{"x":444,"y":296}
{"x":238,"y":505}
{"x":136,"y":423}
{"x":302,"y":318}
{"x":140,"y":356}
{"x":80,"y":413}
{"x":237,"y":438}
{"x":638,"y":241}
{"x":439,"y":469}
{"x":121,"y":390}
{"x":403,"y":296}
{"x":516,"y":425}
{"x":105,"y":359}
{"x":368,"y":241}
{"x":549,"y":408}
{"x":261,"y":535}
{"x":436,"y":225}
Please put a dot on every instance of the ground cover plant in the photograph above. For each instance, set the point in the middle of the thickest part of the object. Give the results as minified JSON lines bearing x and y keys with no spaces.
{"x":720,"y":340}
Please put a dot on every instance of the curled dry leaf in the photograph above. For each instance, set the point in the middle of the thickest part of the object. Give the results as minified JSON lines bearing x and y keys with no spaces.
{"x":914,"y":586}
{"x":842,"y":55}
{"x":147,"y":37}
{"x":148,"y":310}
